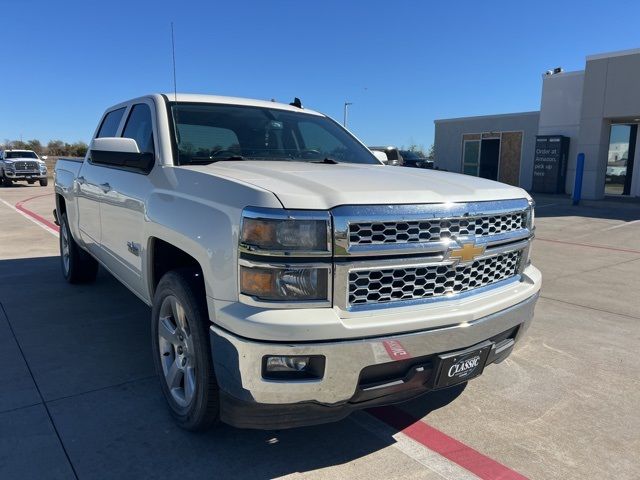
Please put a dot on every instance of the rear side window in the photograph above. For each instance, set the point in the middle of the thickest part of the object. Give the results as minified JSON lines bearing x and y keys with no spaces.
{"x":140,"y":128}
{"x":110,"y":123}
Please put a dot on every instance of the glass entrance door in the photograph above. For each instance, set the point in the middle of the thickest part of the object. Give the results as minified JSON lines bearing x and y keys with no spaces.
{"x":471,"y":157}
{"x":622,"y":143}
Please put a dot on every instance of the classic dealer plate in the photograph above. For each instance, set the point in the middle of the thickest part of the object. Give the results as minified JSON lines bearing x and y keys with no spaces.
{"x":458,"y":367}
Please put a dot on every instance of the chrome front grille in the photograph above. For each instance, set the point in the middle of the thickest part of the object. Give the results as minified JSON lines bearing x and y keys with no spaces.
{"x":433,"y":230}
{"x":26,"y":166}
{"x":384,"y":285}
{"x":389,"y":256}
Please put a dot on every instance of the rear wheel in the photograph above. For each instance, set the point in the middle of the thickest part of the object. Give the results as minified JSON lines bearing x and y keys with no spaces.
{"x":181,"y":350}
{"x":77,"y":265}
{"x":44,"y":182}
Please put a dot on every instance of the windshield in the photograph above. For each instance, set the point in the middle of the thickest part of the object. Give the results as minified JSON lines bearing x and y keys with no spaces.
{"x":207,"y":133}
{"x":410,"y":155}
{"x":20,"y":155}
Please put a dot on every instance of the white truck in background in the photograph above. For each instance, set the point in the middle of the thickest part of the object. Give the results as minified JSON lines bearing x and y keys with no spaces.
{"x":22,"y":165}
{"x":292,"y":277}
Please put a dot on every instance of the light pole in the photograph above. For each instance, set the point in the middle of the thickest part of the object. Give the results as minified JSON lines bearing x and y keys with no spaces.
{"x":346,"y":113}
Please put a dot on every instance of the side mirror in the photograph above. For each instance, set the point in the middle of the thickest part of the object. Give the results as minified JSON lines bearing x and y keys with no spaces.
{"x":120,"y":152}
{"x":44,"y":157}
{"x":380,"y":156}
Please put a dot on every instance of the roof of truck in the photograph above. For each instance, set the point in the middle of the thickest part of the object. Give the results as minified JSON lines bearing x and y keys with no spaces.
{"x":197,"y":98}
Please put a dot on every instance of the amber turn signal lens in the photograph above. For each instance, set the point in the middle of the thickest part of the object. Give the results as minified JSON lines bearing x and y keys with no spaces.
{"x":257,"y":282}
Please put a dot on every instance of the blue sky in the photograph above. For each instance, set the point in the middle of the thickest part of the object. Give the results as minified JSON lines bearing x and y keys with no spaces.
{"x":402,"y":63}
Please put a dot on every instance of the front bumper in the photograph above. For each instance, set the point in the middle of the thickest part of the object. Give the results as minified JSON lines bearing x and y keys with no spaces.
{"x":248,"y":400}
{"x":17,"y":176}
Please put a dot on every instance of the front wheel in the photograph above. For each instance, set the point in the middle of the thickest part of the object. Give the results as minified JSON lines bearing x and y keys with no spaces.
{"x":44,"y":182}
{"x":181,"y":351}
{"x":77,"y":265}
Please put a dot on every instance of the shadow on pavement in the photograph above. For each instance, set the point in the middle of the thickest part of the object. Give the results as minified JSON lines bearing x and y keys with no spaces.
{"x":89,"y":349}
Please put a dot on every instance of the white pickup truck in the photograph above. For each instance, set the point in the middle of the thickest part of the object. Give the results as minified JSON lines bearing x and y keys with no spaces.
{"x":292,"y":277}
{"x":22,"y":165}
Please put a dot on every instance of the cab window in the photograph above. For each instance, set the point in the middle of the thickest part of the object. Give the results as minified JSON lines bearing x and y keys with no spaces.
{"x":110,"y":123}
{"x":140,"y":127}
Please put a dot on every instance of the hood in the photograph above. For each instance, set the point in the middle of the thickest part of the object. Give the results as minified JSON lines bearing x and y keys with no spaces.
{"x":322,"y":186}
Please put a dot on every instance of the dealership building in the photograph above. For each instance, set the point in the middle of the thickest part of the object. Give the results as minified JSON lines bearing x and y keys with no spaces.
{"x":595,"y":111}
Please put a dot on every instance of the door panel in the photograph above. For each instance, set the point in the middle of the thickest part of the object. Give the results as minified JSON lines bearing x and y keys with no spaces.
{"x":89,"y":194}
{"x":123,"y":217}
{"x":123,"y":205}
{"x":510,"y":155}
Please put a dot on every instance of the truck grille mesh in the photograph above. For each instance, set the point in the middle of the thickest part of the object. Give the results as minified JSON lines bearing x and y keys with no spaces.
{"x":415,"y":231}
{"x":396,"y":284}
{"x":26,"y":166}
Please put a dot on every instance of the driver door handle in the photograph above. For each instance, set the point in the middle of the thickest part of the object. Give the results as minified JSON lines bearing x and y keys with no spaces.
{"x":81,"y":180}
{"x":106,"y":188}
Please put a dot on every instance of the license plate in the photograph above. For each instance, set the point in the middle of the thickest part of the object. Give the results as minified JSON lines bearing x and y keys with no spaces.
{"x":458,"y":367}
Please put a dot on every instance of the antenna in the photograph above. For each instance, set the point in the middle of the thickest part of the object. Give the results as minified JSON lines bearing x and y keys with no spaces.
{"x":173,"y":55}
{"x":174,"y":114}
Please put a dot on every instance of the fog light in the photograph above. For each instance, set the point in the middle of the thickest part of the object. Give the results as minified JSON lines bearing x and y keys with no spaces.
{"x":287,"y":364}
{"x":293,"y":367}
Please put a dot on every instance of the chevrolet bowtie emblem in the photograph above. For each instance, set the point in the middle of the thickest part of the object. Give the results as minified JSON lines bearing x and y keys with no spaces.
{"x":467,"y":253}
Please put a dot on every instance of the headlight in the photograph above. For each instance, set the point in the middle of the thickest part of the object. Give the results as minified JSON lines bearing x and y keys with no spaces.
{"x":285,"y":232}
{"x":10,"y":166}
{"x":290,"y":283}
{"x":268,"y":241}
{"x":43,"y":169}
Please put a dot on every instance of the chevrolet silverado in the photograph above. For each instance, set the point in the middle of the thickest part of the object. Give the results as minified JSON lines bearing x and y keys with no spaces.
{"x":292,"y":277}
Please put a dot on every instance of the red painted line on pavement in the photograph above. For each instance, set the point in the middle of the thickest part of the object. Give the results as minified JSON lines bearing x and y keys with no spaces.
{"x":34,"y":215}
{"x":602,"y":247}
{"x":441,"y":443}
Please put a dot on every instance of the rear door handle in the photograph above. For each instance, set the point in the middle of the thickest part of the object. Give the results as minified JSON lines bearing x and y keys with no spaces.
{"x":105,"y":187}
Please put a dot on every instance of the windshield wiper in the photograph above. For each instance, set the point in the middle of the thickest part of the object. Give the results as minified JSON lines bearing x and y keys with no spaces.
{"x":232,"y":158}
{"x":327,"y":160}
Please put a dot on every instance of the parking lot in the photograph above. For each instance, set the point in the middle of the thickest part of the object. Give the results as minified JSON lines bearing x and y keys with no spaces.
{"x":79,"y":398}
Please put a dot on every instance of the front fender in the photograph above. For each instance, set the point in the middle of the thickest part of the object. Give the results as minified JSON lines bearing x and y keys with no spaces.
{"x":204,"y":223}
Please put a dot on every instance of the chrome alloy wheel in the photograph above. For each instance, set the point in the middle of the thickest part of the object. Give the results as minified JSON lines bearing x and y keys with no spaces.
{"x":64,"y":247}
{"x":176,"y":351}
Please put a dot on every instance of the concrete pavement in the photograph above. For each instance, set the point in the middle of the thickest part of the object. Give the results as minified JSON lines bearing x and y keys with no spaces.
{"x":79,"y":398}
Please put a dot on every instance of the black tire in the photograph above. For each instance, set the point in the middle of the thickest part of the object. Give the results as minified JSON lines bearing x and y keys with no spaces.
{"x":44,"y":182}
{"x":79,"y":266}
{"x":202,"y":410}
{"x":7,"y":182}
